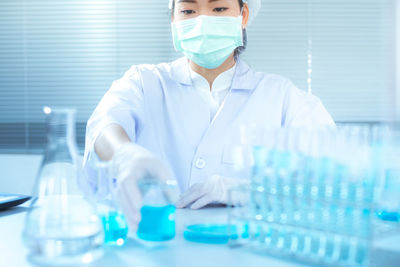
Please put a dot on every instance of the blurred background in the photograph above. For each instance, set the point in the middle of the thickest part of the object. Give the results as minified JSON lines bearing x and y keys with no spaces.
{"x":66,"y":53}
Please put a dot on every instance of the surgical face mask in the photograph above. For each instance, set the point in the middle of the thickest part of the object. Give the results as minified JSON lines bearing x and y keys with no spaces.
{"x":208,"y":40}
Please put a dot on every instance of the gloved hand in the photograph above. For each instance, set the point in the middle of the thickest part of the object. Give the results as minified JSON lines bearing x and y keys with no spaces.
{"x":214,"y":189}
{"x":131,"y":163}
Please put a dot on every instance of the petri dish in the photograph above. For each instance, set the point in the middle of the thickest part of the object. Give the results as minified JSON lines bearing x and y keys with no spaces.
{"x":210,"y":233}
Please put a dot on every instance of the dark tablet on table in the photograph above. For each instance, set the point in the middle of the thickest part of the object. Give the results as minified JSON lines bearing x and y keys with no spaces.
{"x":11,"y":200}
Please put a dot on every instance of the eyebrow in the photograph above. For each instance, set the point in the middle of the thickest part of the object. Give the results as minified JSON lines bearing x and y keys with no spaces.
{"x":187,"y":1}
{"x":194,"y":1}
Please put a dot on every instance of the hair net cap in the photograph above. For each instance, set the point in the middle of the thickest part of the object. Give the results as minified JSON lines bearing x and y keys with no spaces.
{"x":254,"y":7}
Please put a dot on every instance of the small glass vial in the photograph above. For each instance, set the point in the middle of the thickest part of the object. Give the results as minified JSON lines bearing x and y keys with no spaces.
{"x":158,"y":211}
{"x":114,"y":224}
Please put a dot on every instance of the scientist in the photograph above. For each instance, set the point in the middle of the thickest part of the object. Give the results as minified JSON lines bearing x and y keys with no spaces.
{"x":175,"y":120}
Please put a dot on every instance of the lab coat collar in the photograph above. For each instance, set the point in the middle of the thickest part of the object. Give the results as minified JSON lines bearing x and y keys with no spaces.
{"x":244,"y":77}
{"x":180,"y":71}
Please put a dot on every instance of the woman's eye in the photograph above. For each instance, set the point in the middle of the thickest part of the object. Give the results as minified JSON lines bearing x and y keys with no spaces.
{"x":220,"y":9}
{"x":187,"y":12}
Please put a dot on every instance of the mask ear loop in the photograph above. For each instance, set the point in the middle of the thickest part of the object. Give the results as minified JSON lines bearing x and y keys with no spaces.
{"x":241,"y":12}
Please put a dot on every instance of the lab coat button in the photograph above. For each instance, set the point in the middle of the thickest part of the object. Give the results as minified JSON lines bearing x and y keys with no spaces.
{"x":200,"y":163}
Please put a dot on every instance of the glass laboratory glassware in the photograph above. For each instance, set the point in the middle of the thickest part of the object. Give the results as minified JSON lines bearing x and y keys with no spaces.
{"x":158,"y":211}
{"x":114,"y":223}
{"x":61,"y":226}
{"x":339,"y":176}
{"x":389,"y":189}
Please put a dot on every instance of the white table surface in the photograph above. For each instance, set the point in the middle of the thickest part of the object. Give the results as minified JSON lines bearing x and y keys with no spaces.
{"x":177,"y":252}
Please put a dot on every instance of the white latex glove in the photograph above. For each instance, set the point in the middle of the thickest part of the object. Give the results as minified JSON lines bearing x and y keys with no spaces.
{"x":214,"y":189}
{"x":131,"y":163}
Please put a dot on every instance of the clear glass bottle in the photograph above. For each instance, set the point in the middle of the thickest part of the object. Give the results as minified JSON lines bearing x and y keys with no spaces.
{"x":158,"y":211}
{"x":61,"y":226}
{"x":114,"y":223}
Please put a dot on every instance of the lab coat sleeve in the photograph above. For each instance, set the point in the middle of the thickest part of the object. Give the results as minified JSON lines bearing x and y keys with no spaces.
{"x":303,"y":109}
{"x":123,"y":105}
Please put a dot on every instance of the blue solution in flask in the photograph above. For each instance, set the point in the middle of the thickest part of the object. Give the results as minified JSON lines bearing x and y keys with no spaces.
{"x":115,"y":228}
{"x":114,"y":224}
{"x":157,"y":224}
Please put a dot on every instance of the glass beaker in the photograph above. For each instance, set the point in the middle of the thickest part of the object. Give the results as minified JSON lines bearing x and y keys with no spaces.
{"x":158,"y":211}
{"x":114,"y":224}
{"x":61,"y":226}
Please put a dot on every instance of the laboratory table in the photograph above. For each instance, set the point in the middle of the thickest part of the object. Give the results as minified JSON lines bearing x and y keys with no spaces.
{"x":178,"y":252}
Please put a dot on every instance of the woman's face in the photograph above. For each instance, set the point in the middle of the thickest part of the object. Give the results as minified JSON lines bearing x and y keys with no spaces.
{"x":187,"y":9}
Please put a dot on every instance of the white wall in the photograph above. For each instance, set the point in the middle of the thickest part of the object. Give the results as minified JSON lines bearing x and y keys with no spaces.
{"x":18,"y":173}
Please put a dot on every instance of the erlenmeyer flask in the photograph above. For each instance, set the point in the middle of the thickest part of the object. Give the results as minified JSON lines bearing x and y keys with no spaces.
{"x":61,"y":226}
{"x":158,"y":212}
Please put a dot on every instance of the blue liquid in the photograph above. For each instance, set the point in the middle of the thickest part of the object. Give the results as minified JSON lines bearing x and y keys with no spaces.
{"x":157,"y":224}
{"x":115,"y":228}
{"x":212,"y":233}
{"x":391,"y":216}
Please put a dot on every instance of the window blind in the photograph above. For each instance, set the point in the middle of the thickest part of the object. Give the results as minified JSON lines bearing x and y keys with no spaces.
{"x":342,"y":51}
{"x":66,"y":53}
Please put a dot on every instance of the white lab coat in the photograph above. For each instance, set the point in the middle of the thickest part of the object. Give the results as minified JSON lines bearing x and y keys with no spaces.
{"x":161,"y":111}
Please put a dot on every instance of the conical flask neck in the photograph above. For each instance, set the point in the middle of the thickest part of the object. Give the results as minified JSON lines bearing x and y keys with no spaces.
{"x":61,"y":135}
